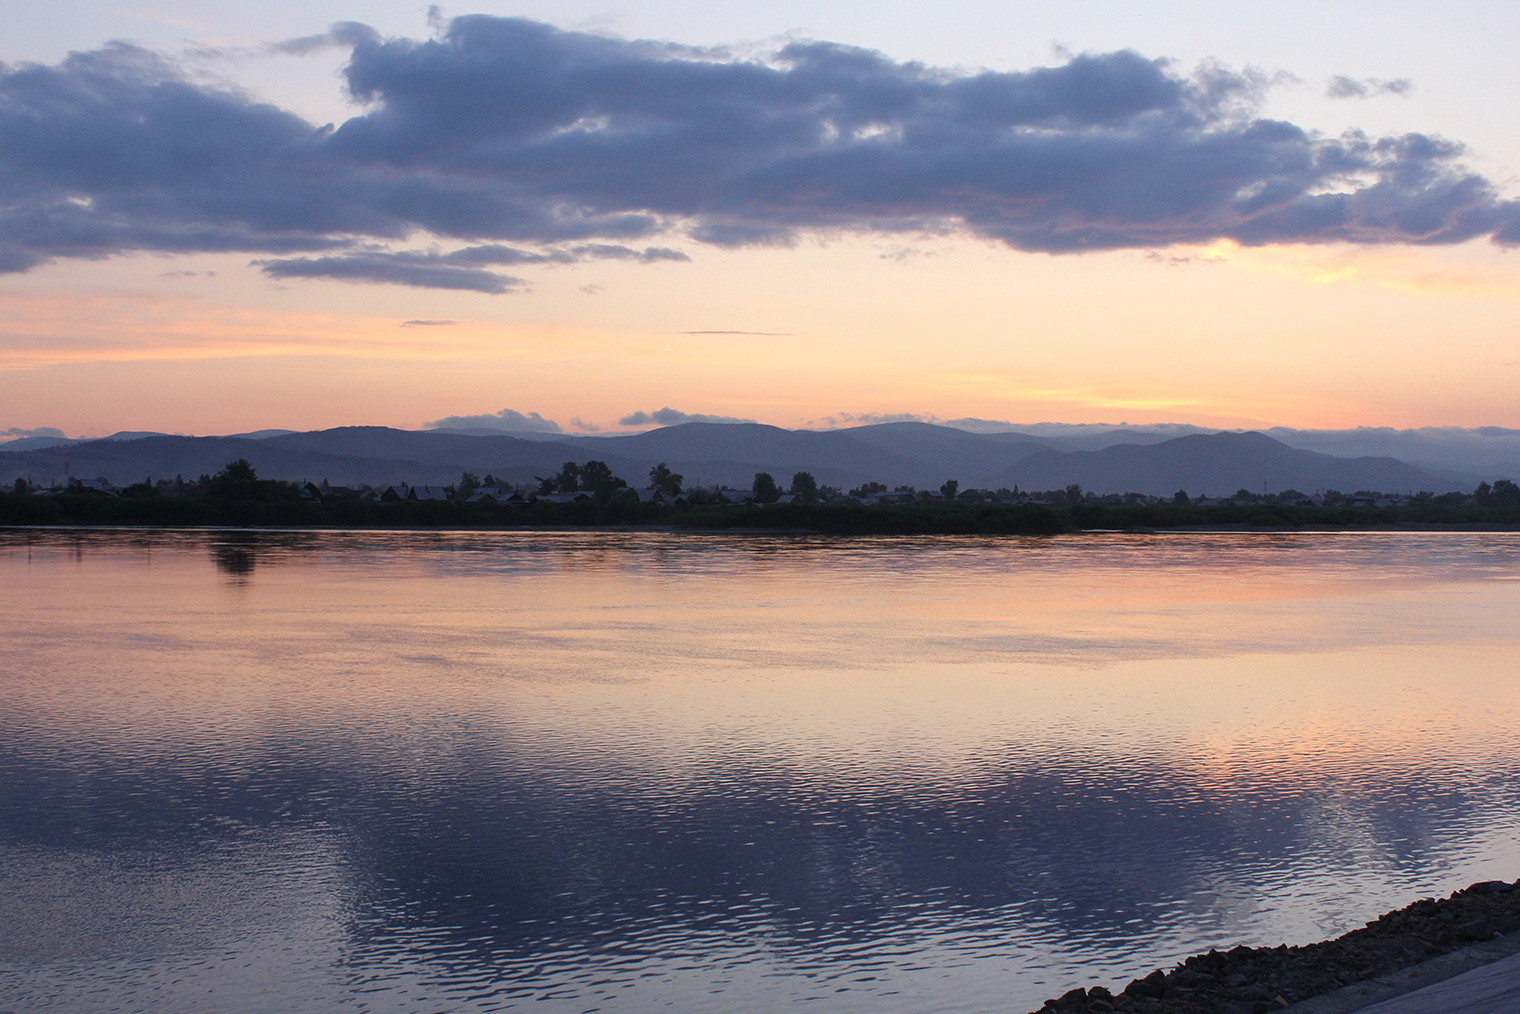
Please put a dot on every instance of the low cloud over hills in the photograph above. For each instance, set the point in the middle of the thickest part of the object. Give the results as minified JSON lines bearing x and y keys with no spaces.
{"x":906,"y":453}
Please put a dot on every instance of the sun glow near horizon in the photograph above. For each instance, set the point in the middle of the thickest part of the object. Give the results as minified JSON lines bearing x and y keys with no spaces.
{"x":1291,"y":335}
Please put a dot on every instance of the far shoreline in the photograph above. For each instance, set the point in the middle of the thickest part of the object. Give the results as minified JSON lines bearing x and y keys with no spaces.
{"x":1475,"y":528}
{"x":272,"y":504}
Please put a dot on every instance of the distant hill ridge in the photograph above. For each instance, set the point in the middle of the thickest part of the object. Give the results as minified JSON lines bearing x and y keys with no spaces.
{"x":903,"y":453}
{"x":1220,"y":463}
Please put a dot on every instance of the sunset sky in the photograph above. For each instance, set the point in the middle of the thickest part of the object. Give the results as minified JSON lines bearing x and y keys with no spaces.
{"x":223,"y":217}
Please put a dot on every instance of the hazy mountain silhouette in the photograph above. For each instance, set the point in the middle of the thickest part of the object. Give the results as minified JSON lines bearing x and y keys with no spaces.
{"x":905,"y":453}
{"x":1216,"y":464}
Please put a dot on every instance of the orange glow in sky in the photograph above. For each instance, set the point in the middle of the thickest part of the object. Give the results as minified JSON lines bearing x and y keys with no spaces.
{"x":950,"y":327}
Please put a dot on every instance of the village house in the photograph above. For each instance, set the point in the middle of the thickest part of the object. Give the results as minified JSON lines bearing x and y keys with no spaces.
{"x":404,"y":492}
{"x":632,"y":495}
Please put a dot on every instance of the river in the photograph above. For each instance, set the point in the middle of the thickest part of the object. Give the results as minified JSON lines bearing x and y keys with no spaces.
{"x":419,"y":772}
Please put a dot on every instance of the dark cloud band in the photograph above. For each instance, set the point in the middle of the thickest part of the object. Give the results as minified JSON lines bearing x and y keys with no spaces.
{"x":506,"y":131}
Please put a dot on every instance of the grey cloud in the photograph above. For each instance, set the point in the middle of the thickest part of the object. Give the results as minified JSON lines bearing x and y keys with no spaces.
{"x":738,"y":234}
{"x":507,"y":420}
{"x":648,"y":255}
{"x":39,"y":431}
{"x":505,"y":131}
{"x":495,"y":254}
{"x":458,"y":269}
{"x":668,"y":416}
{"x":424,"y":271}
{"x":428,"y":323}
{"x":1342,"y":87}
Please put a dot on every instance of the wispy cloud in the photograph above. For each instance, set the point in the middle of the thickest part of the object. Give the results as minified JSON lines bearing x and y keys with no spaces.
{"x":1342,"y":87}
{"x":576,"y":146}
{"x":1172,"y":260}
{"x":423,"y":271}
{"x":429,"y":323}
{"x":463,"y":269}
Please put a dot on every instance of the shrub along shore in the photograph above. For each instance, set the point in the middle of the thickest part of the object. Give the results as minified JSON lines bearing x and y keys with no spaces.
{"x":1256,"y":980}
{"x":936,"y":518}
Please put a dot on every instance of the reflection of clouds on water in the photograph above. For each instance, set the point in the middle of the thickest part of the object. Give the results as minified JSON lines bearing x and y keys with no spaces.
{"x":492,"y":857}
{"x":471,"y":770}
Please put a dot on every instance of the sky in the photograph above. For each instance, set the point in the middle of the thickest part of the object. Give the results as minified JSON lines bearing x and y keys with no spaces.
{"x":222,"y":217}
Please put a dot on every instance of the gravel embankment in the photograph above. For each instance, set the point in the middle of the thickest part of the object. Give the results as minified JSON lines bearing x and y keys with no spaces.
{"x":1256,"y":980}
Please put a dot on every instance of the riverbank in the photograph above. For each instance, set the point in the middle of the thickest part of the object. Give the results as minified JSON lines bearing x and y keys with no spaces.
{"x":835,"y":519}
{"x":1257,"y":980}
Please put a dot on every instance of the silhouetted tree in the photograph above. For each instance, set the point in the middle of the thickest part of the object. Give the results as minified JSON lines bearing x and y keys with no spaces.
{"x":950,"y":488}
{"x":1505,"y":494}
{"x":765,"y":488}
{"x":569,"y":479}
{"x":467,"y":484}
{"x":597,"y":478}
{"x":663,"y":480}
{"x":239,"y":481}
{"x":1073,"y":494}
{"x":805,"y":487}
{"x":1181,"y":498}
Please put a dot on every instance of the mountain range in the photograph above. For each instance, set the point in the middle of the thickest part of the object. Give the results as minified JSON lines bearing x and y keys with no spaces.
{"x":898,"y":453}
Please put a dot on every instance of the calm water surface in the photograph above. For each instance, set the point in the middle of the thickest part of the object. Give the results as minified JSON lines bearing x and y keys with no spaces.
{"x":295,"y":772}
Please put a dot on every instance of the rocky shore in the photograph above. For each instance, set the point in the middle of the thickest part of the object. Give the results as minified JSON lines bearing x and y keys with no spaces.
{"x":1256,"y":980}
